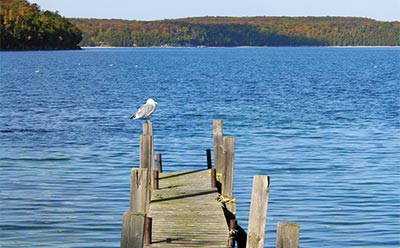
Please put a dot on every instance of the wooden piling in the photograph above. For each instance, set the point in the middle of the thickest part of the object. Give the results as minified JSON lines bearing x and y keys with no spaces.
{"x":133,"y":223}
{"x":213,"y":178}
{"x":156,"y":180}
{"x":209,"y":163}
{"x":145,"y":161}
{"x":148,"y":231}
{"x":139,"y":186}
{"x":148,"y":130}
{"x":287,"y":235}
{"x":159,"y":162}
{"x":258,"y":212}
{"x":227,"y":176}
{"x":227,"y":167}
{"x":218,"y":142}
{"x":148,"y":150}
{"x":145,"y":151}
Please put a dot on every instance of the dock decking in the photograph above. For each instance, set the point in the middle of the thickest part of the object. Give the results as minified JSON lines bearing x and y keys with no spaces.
{"x":185,"y":212}
{"x":188,"y":209}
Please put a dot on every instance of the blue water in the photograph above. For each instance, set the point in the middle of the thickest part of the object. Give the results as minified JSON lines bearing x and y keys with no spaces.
{"x":323,"y":123}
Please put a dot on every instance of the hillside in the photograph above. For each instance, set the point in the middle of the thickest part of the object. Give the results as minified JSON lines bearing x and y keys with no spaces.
{"x":240,"y":31}
{"x":23,"y":26}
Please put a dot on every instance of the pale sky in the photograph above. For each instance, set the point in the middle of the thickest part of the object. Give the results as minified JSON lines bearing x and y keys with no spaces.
{"x":383,"y":10}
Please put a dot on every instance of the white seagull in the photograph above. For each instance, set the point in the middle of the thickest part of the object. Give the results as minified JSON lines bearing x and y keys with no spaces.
{"x":145,"y":110}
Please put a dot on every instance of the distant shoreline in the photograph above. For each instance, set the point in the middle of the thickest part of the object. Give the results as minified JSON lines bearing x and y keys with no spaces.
{"x":244,"y":31}
{"x":243,"y":47}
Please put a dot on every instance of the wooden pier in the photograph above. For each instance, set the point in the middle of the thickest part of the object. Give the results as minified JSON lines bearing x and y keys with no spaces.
{"x":186,"y":213}
{"x":195,"y":208}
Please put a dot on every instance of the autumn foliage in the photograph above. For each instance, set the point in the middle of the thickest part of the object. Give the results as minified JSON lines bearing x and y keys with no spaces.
{"x":24,"y":26}
{"x":240,"y":31}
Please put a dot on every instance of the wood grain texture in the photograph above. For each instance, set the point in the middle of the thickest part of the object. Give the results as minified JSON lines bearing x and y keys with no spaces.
{"x":218,"y":149}
{"x":287,"y":235}
{"x":258,"y":212}
{"x":139,"y":187}
{"x":186,"y":213}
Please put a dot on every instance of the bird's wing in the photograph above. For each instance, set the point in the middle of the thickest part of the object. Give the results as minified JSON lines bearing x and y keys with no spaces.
{"x":144,"y":111}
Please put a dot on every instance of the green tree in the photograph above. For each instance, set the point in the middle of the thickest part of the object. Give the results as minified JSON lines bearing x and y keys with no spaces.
{"x":24,"y":26}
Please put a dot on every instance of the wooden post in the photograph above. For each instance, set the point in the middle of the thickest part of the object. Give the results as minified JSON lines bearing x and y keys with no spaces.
{"x":258,"y":212}
{"x":159,"y":162}
{"x":133,"y":223}
{"x":149,"y":230}
{"x":138,"y":196}
{"x":217,"y":134}
{"x":145,"y":162}
{"x":156,"y":181}
{"x":145,"y":151}
{"x":208,"y":153}
{"x":148,"y":130}
{"x":227,"y":167}
{"x":227,"y":177}
{"x":213,"y":178}
{"x":287,"y":235}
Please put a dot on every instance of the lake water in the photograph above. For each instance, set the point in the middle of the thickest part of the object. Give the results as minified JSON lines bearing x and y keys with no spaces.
{"x":323,"y":123}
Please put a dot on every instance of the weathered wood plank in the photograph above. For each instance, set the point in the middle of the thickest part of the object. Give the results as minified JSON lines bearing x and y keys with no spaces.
{"x":227,"y":175}
{"x":148,"y":130}
{"x":133,"y":221}
{"x":146,"y":146}
{"x":145,"y":151}
{"x":218,"y":149}
{"x":258,"y":212}
{"x":132,"y":234}
{"x":138,"y":195}
{"x":186,"y":213}
{"x":227,"y":167}
{"x":287,"y":235}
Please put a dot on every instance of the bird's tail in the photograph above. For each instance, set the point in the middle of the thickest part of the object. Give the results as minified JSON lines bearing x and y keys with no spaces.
{"x":133,"y":117}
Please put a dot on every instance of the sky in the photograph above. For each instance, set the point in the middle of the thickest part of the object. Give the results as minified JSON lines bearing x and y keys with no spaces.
{"x":383,"y":10}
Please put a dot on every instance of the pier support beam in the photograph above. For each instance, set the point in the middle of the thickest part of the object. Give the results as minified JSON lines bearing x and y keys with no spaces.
{"x":159,"y":162}
{"x":133,"y":223}
{"x":208,"y":154}
{"x":227,"y":176}
{"x":218,"y":142}
{"x":148,"y":232}
{"x":227,"y":167}
{"x":287,"y":235}
{"x":258,"y":212}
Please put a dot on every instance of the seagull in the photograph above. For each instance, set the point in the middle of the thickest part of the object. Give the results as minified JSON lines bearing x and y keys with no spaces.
{"x":145,"y":110}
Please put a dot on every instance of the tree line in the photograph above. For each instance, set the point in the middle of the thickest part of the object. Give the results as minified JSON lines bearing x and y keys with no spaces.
{"x":240,"y":31}
{"x":23,"y":26}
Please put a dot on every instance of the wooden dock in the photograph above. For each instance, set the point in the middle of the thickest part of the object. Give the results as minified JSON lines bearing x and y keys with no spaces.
{"x":185,"y":212}
{"x":195,"y":208}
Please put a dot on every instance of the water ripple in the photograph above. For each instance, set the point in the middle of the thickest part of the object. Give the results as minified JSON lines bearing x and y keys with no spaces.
{"x":321,"y":122}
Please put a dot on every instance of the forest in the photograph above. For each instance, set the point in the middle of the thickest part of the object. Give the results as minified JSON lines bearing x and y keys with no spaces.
{"x":23,"y":26}
{"x":239,"y":31}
